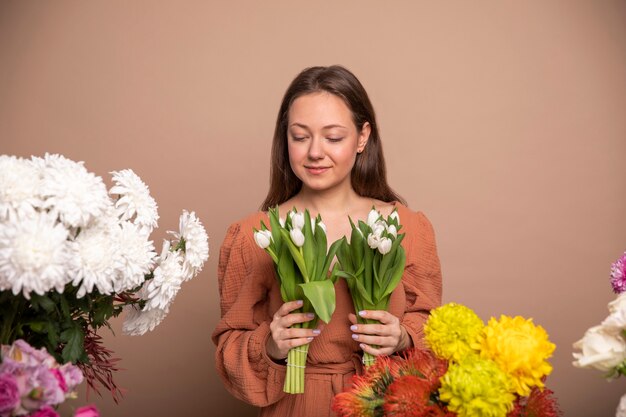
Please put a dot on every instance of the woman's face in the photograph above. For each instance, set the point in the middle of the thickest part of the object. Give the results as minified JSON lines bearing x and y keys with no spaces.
{"x":323,"y":141}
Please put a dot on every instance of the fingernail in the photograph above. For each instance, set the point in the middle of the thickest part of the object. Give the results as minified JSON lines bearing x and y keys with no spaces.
{"x":310,"y":315}
{"x":362,"y":345}
{"x":309,"y":338}
{"x":353,"y":327}
{"x":362,"y":313}
{"x":299,"y":302}
{"x":316,"y":331}
{"x":355,"y":336}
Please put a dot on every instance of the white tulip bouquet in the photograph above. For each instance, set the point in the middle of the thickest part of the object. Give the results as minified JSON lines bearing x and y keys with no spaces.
{"x":298,"y":247}
{"x":372,"y":264}
{"x":603,"y":347}
{"x":73,"y":255}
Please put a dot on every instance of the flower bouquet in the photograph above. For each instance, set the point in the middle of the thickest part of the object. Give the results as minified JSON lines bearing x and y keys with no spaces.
{"x":298,"y":247}
{"x":472,"y":370}
{"x":32,"y":382}
{"x":73,"y":255}
{"x":603,"y":347}
{"x":372,"y":264}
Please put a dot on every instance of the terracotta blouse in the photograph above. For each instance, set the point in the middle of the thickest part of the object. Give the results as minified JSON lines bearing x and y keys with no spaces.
{"x":249,"y":296}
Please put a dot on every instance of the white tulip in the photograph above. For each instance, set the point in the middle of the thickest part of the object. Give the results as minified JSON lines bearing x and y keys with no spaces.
{"x":391,"y":229}
{"x":378,"y":228}
{"x":263,"y":238}
{"x":601,"y":348}
{"x":281,"y":221}
{"x":297,"y":220}
{"x":621,"y":408}
{"x":297,"y":237}
{"x":372,"y":217}
{"x":322,"y":225}
{"x":394,"y":215}
{"x":373,"y":240}
{"x":385,"y":246}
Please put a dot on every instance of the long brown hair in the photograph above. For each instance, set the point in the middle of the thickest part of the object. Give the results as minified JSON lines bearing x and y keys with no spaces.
{"x":369,"y":176}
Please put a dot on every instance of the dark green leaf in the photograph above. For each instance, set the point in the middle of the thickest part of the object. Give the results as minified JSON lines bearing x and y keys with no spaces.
{"x":73,"y":338}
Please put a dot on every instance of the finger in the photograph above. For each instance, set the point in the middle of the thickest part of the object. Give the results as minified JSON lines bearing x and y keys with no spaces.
{"x":352,"y":318}
{"x":375,"y":340}
{"x":288,"y":307}
{"x":299,"y":333}
{"x":374,"y":351}
{"x":382,"y":316}
{"x":291,"y":319}
{"x":292,"y":343}
{"x":377,"y":329}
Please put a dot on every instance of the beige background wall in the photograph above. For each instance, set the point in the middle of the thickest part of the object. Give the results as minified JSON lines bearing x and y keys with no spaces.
{"x":504,"y":121}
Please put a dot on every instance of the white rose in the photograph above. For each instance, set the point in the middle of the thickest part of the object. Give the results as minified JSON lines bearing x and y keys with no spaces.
{"x":297,"y":237}
{"x":602,"y":348}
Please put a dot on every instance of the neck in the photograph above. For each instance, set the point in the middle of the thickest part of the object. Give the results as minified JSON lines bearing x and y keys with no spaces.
{"x":327,"y":201}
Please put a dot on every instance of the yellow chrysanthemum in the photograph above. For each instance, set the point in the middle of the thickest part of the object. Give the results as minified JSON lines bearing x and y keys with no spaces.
{"x":520,"y":348}
{"x":452,"y":331}
{"x":477,"y":387}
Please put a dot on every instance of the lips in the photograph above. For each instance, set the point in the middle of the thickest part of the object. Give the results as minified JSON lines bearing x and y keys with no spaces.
{"x":316,"y":170}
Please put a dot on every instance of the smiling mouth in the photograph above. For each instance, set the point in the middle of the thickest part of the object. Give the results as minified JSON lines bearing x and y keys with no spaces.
{"x":316,"y":170}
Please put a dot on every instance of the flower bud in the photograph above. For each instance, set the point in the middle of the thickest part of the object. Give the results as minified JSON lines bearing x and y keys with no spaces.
{"x":372,"y":217}
{"x":322,"y":225}
{"x":373,"y":240}
{"x":395,"y":216}
{"x":297,"y":237}
{"x":297,"y":219}
{"x":378,"y":228}
{"x":263,"y":238}
{"x":385,"y":246}
{"x":391,"y":229}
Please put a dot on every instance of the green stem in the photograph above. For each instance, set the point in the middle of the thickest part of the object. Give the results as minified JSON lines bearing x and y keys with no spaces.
{"x":296,"y":362}
{"x":8,"y":318}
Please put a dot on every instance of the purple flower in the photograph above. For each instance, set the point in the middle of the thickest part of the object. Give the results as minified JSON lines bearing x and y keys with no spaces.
{"x":618,"y":275}
{"x":72,"y":375}
{"x":9,"y":394}
{"x":44,"y":412}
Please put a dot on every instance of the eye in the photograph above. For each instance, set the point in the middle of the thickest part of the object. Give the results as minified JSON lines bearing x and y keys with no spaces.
{"x":334,"y":140}
{"x":298,"y":138}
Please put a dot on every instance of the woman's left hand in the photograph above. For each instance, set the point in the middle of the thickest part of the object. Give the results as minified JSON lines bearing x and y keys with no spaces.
{"x":389,"y":335}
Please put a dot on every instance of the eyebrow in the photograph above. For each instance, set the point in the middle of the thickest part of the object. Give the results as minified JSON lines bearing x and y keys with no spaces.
{"x":325,"y":127}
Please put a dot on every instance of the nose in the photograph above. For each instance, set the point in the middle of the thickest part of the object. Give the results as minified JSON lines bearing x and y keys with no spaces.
{"x":316,"y":149}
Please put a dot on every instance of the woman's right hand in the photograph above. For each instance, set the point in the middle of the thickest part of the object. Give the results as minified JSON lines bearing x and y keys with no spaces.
{"x":282,"y":337}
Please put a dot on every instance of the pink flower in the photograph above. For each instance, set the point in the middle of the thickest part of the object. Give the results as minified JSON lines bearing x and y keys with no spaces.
{"x":87,"y":411}
{"x":60,"y":379}
{"x":618,"y":275}
{"x":44,"y":412}
{"x":9,"y":394}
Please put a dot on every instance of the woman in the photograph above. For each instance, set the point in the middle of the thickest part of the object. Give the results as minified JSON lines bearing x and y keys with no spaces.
{"x":327,"y":158}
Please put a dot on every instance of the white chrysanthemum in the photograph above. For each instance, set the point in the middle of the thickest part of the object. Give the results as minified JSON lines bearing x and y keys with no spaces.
{"x":196,"y":244}
{"x":136,"y":257}
{"x":138,"y":322}
{"x":98,"y":260}
{"x":168,"y":277}
{"x":135,"y":202}
{"x":19,"y":187}
{"x":34,"y":255}
{"x":69,"y":190}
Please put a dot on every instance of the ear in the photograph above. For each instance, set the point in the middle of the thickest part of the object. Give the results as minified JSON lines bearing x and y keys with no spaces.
{"x":364,"y":135}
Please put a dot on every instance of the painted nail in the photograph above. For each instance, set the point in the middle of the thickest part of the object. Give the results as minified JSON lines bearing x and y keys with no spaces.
{"x":353,"y":327}
{"x":362,"y":313}
{"x":362,"y":345}
{"x":309,"y":338}
{"x":299,"y":302}
{"x":316,"y":331}
{"x":355,"y":336}
{"x":310,"y":315}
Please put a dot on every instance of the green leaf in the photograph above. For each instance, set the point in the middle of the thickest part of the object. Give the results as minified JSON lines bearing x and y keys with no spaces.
{"x":321,"y":242}
{"x":321,"y":294}
{"x":65,"y":308}
{"x":275,"y":228}
{"x":43,"y":301}
{"x":37,"y":326}
{"x":73,"y":337}
{"x":396,"y":275}
{"x":308,"y":249}
{"x":52,"y":329}
{"x":103,"y":311}
{"x":295,"y":253}
{"x":286,"y":274}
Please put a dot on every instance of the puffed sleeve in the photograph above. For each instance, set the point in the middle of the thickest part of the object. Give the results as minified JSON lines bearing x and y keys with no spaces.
{"x":422,"y":277}
{"x":240,"y":336}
